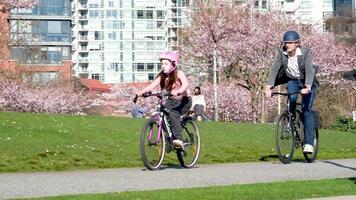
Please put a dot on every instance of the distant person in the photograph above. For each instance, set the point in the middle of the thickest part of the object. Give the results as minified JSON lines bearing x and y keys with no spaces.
{"x":198,"y":104}
{"x":138,"y":111}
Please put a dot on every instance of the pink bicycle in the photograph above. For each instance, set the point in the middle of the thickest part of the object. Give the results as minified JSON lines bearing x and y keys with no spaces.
{"x":156,"y":137}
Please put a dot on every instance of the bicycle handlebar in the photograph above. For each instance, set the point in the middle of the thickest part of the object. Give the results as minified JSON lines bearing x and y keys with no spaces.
{"x":159,"y":94}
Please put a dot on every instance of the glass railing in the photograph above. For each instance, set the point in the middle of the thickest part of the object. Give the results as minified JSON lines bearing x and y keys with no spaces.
{"x":49,"y":11}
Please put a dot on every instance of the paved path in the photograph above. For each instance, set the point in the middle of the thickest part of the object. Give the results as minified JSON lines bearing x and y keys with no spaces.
{"x":20,"y":185}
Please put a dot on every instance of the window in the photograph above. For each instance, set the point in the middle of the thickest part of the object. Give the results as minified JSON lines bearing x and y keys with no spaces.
{"x":140,"y":14}
{"x":111,"y":13}
{"x":93,"y":5}
{"x":151,"y":77}
{"x":159,"y":14}
{"x":99,"y":77}
{"x":150,"y":66}
{"x":264,"y":4}
{"x":140,"y":67}
{"x":93,"y":14}
{"x":239,"y":2}
{"x":256,"y":4}
{"x":95,"y":76}
{"x":160,"y":24}
{"x":149,"y":25}
{"x":112,"y":36}
{"x":159,"y":67}
{"x":149,"y":14}
{"x":45,"y":77}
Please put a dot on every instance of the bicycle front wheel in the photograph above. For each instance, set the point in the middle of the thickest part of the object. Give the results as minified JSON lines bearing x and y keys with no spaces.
{"x":152,"y":145}
{"x":311,"y":157}
{"x":285,"y":141}
{"x":191,"y":140}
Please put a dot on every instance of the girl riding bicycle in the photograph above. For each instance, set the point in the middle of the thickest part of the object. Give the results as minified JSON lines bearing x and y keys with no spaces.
{"x":174,"y":81}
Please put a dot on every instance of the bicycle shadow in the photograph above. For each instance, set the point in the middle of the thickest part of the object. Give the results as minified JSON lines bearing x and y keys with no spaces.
{"x":274,"y":157}
{"x":352,"y":179}
{"x":339,"y":165}
{"x":170,"y":166}
{"x":269,"y":157}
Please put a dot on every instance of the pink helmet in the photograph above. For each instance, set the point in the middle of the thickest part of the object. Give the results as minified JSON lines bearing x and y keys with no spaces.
{"x":172,"y":56}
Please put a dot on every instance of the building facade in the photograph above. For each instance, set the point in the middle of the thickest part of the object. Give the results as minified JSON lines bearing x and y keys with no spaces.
{"x":345,"y":10}
{"x":118,"y":41}
{"x":175,"y":18}
{"x":312,"y":12}
{"x":40,"y":40}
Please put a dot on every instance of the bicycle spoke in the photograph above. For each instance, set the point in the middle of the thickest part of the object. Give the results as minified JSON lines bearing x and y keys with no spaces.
{"x":285,"y":142}
{"x":152,"y":150}
{"x":191,"y":140}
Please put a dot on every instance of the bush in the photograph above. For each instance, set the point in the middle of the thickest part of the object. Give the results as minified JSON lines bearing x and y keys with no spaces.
{"x":344,"y":123}
{"x":54,"y":98}
{"x":234,"y":102}
{"x":334,"y":100}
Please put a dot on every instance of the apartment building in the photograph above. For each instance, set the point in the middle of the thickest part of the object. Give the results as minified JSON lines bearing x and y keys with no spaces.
{"x":117,"y":41}
{"x":346,"y":10}
{"x":312,"y":12}
{"x":40,"y":41}
{"x":176,"y":17}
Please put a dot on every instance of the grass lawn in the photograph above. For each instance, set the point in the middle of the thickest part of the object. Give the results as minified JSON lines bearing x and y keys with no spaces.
{"x":41,"y":142}
{"x":265,"y":191}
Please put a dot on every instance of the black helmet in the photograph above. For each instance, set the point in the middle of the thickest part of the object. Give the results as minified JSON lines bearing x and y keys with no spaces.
{"x":291,"y":36}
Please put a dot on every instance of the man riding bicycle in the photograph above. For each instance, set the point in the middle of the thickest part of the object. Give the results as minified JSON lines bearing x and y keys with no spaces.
{"x":294,"y":65}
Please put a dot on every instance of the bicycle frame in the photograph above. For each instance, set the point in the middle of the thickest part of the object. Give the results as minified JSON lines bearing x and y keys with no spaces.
{"x":291,"y":122}
{"x":162,"y":121}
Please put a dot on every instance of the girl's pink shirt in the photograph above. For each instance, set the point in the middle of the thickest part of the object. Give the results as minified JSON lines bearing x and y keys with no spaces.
{"x":179,"y":86}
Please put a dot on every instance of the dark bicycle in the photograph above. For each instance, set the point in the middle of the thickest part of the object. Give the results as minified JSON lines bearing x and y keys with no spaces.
{"x":157,"y":137}
{"x":290,"y":133}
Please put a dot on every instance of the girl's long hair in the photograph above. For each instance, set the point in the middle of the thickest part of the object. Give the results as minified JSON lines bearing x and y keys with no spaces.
{"x":172,"y":78}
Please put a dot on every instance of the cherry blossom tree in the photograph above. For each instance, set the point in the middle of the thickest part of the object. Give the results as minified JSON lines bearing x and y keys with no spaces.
{"x":57,"y":98}
{"x":246,"y":43}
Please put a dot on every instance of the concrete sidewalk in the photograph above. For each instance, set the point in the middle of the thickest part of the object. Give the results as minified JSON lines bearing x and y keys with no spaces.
{"x":26,"y":185}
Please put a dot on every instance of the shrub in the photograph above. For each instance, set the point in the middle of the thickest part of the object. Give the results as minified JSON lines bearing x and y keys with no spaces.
{"x":54,"y":98}
{"x":344,"y":123}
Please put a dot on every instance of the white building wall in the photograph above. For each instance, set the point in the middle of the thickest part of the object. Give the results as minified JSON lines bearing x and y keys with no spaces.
{"x":125,"y":38}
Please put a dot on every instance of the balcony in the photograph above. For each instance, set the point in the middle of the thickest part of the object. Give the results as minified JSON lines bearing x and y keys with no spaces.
{"x":83,"y":49}
{"x":83,"y":60}
{"x":74,"y":48}
{"x":327,"y":15}
{"x":83,"y":7}
{"x":172,"y":34}
{"x":83,"y":39}
{"x":83,"y":29}
{"x":83,"y":70}
{"x":83,"y":18}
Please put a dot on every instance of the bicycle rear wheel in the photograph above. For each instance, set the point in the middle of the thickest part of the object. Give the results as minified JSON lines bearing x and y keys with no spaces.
{"x":311,"y":157}
{"x":285,"y":141}
{"x":152,"y":151}
{"x":191,"y":140}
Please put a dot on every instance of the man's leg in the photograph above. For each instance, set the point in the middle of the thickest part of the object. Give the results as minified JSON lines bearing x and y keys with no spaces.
{"x":293,"y":87}
{"x":308,"y":116}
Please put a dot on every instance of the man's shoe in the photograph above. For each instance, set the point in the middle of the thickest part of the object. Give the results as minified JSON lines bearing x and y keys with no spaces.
{"x":178,"y":144}
{"x":308,"y":149}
